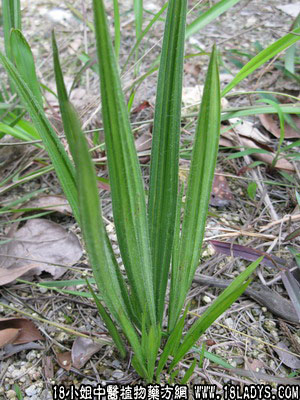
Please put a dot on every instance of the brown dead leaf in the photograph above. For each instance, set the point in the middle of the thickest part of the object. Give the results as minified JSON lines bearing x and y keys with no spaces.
{"x":10,"y":349}
{"x":82,"y":351}
{"x":27,"y":330}
{"x":233,"y":138}
{"x":192,"y":69}
{"x":142,"y":106}
{"x":8,"y":336}
{"x":271,"y":123}
{"x":144,"y":142}
{"x":48,"y":367}
{"x":51,"y":202}
{"x":282,"y":163}
{"x":288,"y":359}
{"x":248,"y":130}
{"x":225,"y":142}
{"x":38,"y":240}
{"x":64,"y":360}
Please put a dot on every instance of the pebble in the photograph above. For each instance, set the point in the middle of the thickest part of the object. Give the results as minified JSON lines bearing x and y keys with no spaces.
{"x":46,"y":395}
{"x":229,"y":322}
{"x":206,"y":299}
{"x":118,"y":374}
{"x":31,"y":356}
{"x":116,"y":364}
{"x":11,"y":395}
{"x":31,"y":390}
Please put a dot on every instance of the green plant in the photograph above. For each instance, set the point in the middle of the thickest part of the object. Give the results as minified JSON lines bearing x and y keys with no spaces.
{"x":149,"y":236}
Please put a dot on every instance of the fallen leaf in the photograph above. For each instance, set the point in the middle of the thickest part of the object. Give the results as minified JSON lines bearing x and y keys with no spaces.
{"x":292,"y":235}
{"x":282,"y":163}
{"x":144,"y":142}
{"x":288,"y":359}
{"x":292,"y":286}
{"x":8,"y":336}
{"x":50,"y":202}
{"x":48,"y":367}
{"x":82,"y":351}
{"x":271,"y":124}
{"x":291,"y":9}
{"x":145,"y":104}
{"x":27,"y":330}
{"x":248,"y":130}
{"x":246,"y":253}
{"x":33,"y":246}
{"x":192,"y":69}
{"x":221,"y":194}
{"x":11,"y":349}
{"x":225,"y":142}
{"x":231,"y":139}
{"x":64,"y":360}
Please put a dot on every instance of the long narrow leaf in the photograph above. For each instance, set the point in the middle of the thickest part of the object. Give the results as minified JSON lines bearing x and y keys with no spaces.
{"x":109,"y":323}
{"x":139,"y":363}
{"x":105,"y":268}
{"x":263,"y":57}
{"x":201,"y":174}
{"x":109,"y":280}
{"x":24,"y":62}
{"x":59,"y":157}
{"x":143,"y":34}
{"x":138,"y":14}
{"x":172,"y":344}
{"x":222,"y":303}
{"x":11,"y":10}
{"x":165,"y":149}
{"x":208,"y":16}
{"x":117,"y":28}
{"x":127,"y":191}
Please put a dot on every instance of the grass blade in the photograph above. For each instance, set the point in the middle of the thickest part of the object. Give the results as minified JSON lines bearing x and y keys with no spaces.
{"x":208,"y":16}
{"x":199,"y":186}
{"x":263,"y":57}
{"x":127,"y":191}
{"x":117,"y":28}
{"x":109,"y":323}
{"x":109,"y":280}
{"x":143,"y":34}
{"x":138,"y":14}
{"x":18,"y":133}
{"x":11,"y":10}
{"x":172,"y":344}
{"x":138,"y":361}
{"x":188,"y":373}
{"x":24,"y":62}
{"x":222,"y":303}
{"x":61,"y":162}
{"x":165,"y":149}
{"x":105,"y":268}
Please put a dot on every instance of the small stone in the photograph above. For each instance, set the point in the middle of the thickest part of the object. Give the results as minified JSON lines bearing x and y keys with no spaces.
{"x":118,"y":374}
{"x":11,"y":395}
{"x":46,"y":395}
{"x":31,"y":356}
{"x":116,"y":364}
{"x":30,"y":391}
{"x":206,"y":299}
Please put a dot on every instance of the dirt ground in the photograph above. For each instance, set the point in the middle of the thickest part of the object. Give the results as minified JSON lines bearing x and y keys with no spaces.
{"x":248,"y":336}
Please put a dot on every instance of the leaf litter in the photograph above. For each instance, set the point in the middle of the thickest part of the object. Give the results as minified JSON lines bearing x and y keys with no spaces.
{"x":39,"y":246}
